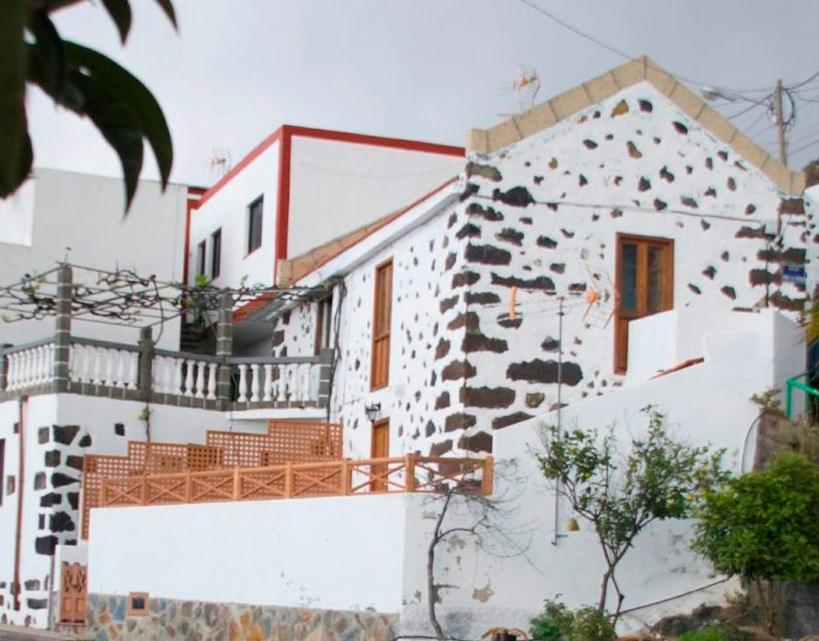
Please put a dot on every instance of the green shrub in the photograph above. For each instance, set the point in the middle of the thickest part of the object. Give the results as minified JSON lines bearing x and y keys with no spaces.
{"x":591,"y":624}
{"x":558,"y":623}
{"x":708,"y":633}
{"x":555,"y":624}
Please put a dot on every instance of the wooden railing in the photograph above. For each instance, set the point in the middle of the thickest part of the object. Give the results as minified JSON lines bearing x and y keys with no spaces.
{"x":294,"y":442}
{"x":410,"y":473}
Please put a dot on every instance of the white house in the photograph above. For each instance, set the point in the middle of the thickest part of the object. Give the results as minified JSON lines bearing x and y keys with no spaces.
{"x":301,"y":187}
{"x":618,"y":245}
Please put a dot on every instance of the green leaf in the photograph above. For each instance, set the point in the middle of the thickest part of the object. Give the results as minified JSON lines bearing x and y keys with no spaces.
{"x":15,"y":145}
{"x":144,"y":107}
{"x":116,"y":122}
{"x":167,"y":7}
{"x":46,"y":57}
{"x":120,"y":12}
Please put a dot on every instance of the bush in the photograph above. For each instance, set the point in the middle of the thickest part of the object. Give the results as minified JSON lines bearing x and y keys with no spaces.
{"x":591,"y":624}
{"x":555,"y":624}
{"x":558,"y":623}
{"x":709,"y":633}
{"x":762,"y":526}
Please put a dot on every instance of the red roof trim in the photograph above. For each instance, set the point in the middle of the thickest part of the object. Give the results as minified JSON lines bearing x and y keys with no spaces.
{"x":244,"y":162}
{"x":376,"y":141}
{"x":289,"y":131}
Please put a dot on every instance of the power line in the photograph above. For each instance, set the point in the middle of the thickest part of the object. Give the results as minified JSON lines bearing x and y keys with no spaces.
{"x":587,"y":36}
{"x":575,"y":30}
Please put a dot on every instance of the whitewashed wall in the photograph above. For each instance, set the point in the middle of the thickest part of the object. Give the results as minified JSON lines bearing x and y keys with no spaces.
{"x":60,"y":215}
{"x":339,"y":186}
{"x":342,"y":553}
{"x":706,"y":403}
{"x":59,"y":431}
{"x":293,"y":552}
{"x":227,"y":208}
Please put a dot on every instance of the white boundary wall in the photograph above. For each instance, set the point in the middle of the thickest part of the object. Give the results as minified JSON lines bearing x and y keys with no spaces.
{"x":342,"y":553}
{"x":370,"y":551}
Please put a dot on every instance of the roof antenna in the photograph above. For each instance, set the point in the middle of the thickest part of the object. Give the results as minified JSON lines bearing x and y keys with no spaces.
{"x":526,"y":86}
{"x":220,"y":161}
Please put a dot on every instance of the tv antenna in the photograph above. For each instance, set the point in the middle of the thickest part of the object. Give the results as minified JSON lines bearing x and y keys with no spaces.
{"x":526,"y":85}
{"x":221,"y":161}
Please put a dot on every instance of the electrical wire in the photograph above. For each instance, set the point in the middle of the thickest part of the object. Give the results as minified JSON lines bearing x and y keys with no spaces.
{"x":619,"y":52}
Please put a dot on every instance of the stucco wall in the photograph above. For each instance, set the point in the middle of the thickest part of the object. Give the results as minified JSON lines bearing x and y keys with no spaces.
{"x":342,"y":553}
{"x":518,"y":566}
{"x":357,"y":183}
{"x":309,"y":552}
{"x":227,"y":208}
{"x":68,"y":216}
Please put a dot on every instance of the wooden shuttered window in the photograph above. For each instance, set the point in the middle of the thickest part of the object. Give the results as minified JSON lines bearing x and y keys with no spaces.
{"x":382,"y":316}
{"x":645,"y":284}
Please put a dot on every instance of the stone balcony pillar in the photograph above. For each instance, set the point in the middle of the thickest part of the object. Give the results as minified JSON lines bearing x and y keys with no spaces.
{"x":62,"y":331}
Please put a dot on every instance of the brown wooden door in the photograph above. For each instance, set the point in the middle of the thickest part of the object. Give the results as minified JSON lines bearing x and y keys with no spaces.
{"x":645,"y":286}
{"x":73,"y":593}
{"x":380,"y":448}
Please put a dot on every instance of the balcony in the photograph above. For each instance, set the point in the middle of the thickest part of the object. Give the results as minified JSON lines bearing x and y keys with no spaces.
{"x":139,"y":370}
{"x":142,"y":373}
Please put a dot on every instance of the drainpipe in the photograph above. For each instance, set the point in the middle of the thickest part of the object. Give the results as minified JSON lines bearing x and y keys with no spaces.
{"x":21,"y":485}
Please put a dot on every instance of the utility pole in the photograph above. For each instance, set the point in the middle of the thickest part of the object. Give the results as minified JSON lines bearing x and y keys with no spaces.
{"x":780,"y":125}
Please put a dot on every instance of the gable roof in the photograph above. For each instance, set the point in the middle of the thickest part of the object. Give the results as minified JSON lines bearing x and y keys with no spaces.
{"x":605,"y":86}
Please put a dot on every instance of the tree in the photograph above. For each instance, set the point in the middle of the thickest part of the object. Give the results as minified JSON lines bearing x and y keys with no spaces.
{"x":762,"y":527}
{"x":658,"y":478}
{"x":80,"y":79}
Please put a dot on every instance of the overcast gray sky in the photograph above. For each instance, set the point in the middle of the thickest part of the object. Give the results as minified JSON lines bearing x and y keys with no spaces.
{"x":422,"y":69}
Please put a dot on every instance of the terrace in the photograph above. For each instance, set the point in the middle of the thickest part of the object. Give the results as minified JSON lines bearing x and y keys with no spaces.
{"x":138,"y":370}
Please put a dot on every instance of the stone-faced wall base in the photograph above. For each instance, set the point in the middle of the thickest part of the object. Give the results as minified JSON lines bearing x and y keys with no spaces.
{"x":108,"y":620}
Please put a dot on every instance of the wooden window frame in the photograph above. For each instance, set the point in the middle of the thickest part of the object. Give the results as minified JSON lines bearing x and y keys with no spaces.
{"x":249,"y":246}
{"x":216,"y":254}
{"x":641,"y":286}
{"x":376,"y":384}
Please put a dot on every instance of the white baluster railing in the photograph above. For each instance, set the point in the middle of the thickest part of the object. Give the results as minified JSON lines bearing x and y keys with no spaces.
{"x":29,"y":366}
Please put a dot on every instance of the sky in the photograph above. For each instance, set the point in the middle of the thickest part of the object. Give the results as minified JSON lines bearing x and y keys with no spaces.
{"x":419,"y":69}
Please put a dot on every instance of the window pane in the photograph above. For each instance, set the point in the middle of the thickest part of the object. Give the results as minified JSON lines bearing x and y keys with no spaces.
{"x":628,"y":277}
{"x":656,"y":268}
{"x":200,"y":257}
{"x":216,"y":256}
{"x":254,"y":227}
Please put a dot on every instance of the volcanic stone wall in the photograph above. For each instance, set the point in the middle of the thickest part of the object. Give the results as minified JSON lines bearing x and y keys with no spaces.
{"x":543,"y":217}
